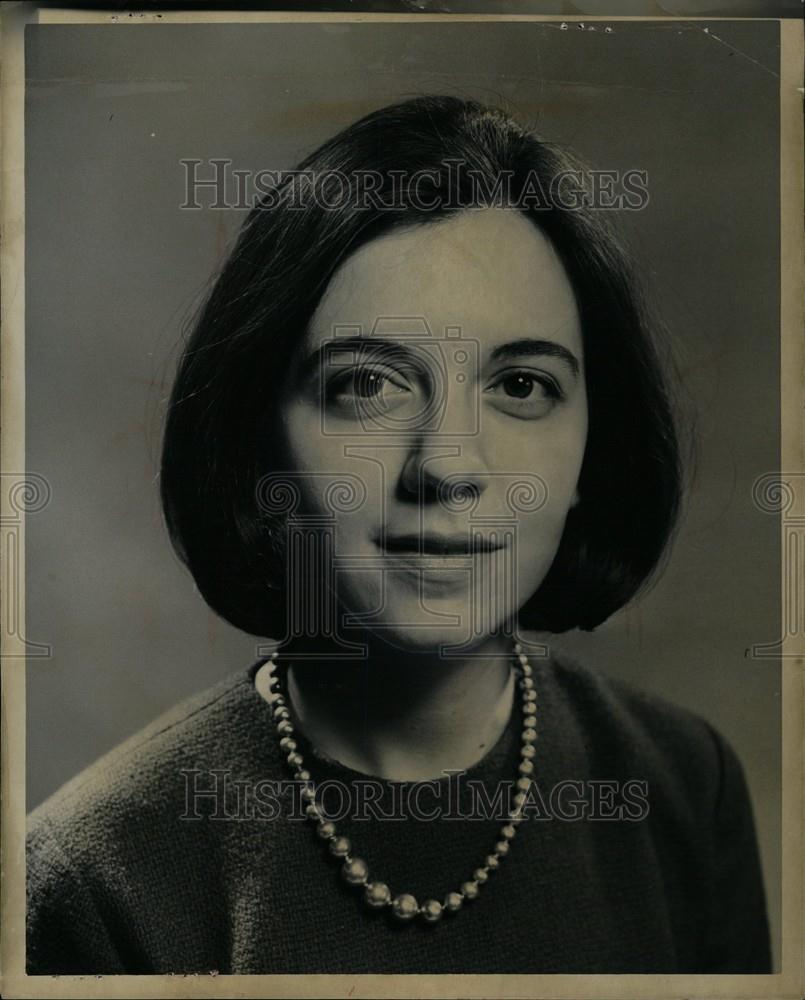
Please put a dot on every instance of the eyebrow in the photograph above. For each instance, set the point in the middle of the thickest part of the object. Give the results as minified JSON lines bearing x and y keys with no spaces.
{"x":363,"y":346}
{"x":527,"y":347}
{"x":524,"y":347}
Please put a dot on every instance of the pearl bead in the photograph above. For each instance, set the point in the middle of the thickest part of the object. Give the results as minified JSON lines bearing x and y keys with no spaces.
{"x":470,"y":890}
{"x":339,"y":847}
{"x":377,"y":895}
{"x":405,"y":907}
{"x":453,"y":901}
{"x":355,"y":871}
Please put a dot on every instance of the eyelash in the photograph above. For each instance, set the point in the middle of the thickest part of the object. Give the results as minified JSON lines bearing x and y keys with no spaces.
{"x":353,"y":375}
{"x":553,"y":391}
{"x":551,"y":387}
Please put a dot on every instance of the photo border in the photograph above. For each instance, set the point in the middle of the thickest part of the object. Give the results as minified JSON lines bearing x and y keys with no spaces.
{"x":789,"y":483}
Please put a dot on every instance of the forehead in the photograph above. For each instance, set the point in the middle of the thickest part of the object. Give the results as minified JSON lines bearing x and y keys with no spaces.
{"x":490,"y":272}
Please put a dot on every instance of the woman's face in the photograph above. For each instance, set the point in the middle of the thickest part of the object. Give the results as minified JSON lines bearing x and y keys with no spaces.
{"x":443,"y":380}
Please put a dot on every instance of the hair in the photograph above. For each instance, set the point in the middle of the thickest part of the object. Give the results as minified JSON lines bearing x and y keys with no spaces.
{"x":215,"y":448}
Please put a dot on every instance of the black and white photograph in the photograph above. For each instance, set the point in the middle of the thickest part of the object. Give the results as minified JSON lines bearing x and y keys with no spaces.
{"x":411,"y":537}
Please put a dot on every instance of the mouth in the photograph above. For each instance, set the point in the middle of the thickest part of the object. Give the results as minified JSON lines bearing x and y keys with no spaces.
{"x":435,"y":544}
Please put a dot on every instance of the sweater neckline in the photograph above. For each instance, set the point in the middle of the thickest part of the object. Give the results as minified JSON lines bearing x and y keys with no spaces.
{"x":488,"y":766}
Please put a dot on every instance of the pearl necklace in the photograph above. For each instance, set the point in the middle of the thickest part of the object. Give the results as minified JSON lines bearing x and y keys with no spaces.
{"x":354,"y":870}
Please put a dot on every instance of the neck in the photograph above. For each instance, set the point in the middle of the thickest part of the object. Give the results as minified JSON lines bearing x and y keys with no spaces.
{"x":402,"y":715}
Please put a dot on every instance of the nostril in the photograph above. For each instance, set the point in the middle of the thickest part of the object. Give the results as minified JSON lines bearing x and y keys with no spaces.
{"x":444,"y":474}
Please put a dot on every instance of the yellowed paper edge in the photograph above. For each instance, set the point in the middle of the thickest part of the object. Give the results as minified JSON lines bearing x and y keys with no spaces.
{"x":790,"y":983}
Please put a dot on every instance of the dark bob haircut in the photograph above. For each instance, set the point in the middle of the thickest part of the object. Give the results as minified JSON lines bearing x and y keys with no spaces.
{"x":216,"y":448}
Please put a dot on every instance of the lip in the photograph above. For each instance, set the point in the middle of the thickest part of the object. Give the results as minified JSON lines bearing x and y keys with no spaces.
{"x":440,"y":545}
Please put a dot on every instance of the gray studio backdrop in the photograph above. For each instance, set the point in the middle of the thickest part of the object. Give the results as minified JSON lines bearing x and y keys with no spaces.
{"x":115,"y":267}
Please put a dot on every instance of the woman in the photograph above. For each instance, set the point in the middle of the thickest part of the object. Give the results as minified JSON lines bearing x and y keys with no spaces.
{"x":421,"y":415}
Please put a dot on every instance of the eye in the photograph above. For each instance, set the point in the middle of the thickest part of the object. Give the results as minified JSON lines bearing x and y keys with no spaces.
{"x":365,"y":383}
{"x":525,"y":394}
{"x":518,"y":386}
{"x":366,"y":389}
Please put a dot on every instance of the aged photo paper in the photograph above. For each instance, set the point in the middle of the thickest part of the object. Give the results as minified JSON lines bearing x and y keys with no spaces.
{"x":236,"y":259}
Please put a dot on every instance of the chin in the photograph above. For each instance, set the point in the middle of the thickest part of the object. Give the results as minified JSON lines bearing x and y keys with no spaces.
{"x":423,"y":639}
{"x":425,"y":624}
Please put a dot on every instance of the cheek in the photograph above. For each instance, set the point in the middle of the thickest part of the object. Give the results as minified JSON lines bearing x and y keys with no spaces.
{"x":548,"y":461}
{"x":335,"y":476}
{"x":546,"y":456}
{"x":304,"y":439}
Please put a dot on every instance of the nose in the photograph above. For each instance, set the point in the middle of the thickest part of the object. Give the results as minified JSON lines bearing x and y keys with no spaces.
{"x":444,"y":470}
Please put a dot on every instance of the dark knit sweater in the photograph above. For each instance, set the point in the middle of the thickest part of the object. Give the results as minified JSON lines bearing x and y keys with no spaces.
{"x":123,"y":879}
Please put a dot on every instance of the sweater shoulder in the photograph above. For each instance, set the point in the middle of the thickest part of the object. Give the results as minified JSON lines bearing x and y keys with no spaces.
{"x":214,"y":728}
{"x":626,"y":728}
